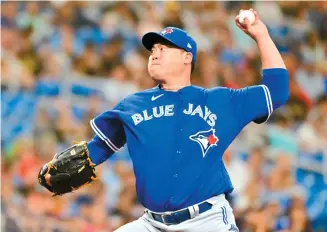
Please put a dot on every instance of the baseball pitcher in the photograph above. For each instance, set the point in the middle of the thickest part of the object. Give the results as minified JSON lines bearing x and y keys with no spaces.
{"x":176,"y":135}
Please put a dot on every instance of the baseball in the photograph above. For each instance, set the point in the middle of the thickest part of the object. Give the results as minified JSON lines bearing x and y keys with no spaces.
{"x":246,"y":14}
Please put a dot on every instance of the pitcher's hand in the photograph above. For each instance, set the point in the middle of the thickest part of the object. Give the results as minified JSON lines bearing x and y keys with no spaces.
{"x":256,"y":30}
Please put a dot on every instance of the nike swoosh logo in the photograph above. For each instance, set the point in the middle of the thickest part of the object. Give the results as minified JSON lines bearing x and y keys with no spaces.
{"x":155,"y":98}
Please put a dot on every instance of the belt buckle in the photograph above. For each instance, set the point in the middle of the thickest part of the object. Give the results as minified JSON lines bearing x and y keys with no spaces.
{"x":163,"y":218}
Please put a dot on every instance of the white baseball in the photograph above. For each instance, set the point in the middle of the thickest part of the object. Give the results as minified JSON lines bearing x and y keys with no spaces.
{"x":246,"y":14}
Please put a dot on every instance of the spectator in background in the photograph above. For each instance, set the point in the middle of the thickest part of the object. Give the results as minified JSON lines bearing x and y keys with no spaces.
{"x":322,"y":105}
{"x":236,"y":166}
{"x":65,"y":41}
{"x":26,"y":52}
{"x":111,"y":54}
{"x":297,"y":18}
{"x":172,"y":16}
{"x":14,"y":75}
{"x":248,"y":197}
{"x":90,"y":61}
{"x":148,"y":22}
{"x":50,"y":73}
{"x":299,"y":102}
{"x":36,"y":20}
{"x":299,"y":220}
{"x":308,"y":76}
{"x":312,"y":137}
{"x":8,"y":26}
{"x":281,"y":137}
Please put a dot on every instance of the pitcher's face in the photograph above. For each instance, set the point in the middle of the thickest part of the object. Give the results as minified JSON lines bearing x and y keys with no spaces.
{"x":165,"y":61}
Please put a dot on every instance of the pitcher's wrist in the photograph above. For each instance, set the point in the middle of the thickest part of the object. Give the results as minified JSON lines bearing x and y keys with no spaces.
{"x":262,"y":38}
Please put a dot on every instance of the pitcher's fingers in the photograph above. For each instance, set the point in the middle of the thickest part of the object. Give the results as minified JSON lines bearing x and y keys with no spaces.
{"x":247,"y":23}
{"x":238,"y":23}
{"x":236,"y":19}
{"x":256,"y":15}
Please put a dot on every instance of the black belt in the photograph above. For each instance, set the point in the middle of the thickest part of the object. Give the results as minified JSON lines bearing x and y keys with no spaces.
{"x":180,"y":216}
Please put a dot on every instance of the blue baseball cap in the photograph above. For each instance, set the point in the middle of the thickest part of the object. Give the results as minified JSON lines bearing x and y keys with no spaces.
{"x":175,"y":36}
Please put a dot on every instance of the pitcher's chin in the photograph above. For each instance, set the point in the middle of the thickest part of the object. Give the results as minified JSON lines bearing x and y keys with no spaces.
{"x":156,"y":75}
{"x":157,"y":78}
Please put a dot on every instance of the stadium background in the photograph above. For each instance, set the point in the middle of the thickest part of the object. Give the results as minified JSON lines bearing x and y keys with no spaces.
{"x":64,"y":62}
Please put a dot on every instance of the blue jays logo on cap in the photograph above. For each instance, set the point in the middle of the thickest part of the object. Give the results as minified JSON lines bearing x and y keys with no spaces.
{"x":175,"y":36}
{"x":166,"y":31}
{"x":206,"y":140}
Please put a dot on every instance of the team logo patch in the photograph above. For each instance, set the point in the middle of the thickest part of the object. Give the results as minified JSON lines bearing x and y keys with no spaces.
{"x":167,"y":31}
{"x":206,"y":140}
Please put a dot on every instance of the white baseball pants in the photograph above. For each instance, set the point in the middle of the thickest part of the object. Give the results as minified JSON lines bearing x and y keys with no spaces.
{"x":219,"y":218}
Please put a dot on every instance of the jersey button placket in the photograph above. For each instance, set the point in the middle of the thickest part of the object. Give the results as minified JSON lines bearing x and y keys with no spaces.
{"x":180,"y":120}
{"x":179,"y":152}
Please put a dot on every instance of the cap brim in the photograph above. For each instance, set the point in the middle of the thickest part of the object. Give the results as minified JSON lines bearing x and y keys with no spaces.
{"x":149,"y":39}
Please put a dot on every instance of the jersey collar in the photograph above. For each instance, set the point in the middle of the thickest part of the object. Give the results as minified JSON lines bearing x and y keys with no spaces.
{"x":182,"y":90}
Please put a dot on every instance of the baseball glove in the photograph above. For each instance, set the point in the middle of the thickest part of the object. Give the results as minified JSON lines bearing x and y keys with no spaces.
{"x":69,"y":170}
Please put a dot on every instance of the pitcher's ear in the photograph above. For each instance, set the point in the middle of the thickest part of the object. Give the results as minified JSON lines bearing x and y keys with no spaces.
{"x":188,"y":58}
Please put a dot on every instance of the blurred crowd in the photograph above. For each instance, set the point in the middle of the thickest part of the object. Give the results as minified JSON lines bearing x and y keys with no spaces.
{"x":279,"y":169}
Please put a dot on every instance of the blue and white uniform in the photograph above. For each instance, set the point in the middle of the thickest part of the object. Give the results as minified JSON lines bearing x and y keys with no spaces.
{"x":176,"y":141}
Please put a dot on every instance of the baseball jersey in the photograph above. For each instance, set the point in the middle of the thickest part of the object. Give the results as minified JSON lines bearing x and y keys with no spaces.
{"x":176,"y":140}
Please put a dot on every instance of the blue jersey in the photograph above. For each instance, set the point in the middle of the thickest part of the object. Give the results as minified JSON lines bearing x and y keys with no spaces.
{"x":176,"y":140}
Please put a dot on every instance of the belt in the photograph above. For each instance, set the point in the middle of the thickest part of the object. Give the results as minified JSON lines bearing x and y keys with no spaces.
{"x":174,"y":218}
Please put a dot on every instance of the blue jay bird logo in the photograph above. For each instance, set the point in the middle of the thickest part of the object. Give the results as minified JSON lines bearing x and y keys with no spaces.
{"x":206,"y":140}
{"x":167,"y":31}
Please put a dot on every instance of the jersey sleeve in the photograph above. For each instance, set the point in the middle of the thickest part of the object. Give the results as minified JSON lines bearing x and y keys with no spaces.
{"x":251,"y":103}
{"x":109,"y":127}
{"x":254,"y":103}
{"x":98,"y":150}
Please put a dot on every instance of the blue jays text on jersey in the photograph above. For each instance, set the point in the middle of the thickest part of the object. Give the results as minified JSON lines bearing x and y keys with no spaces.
{"x":168,"y":110}
{"x":176,"y":140}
